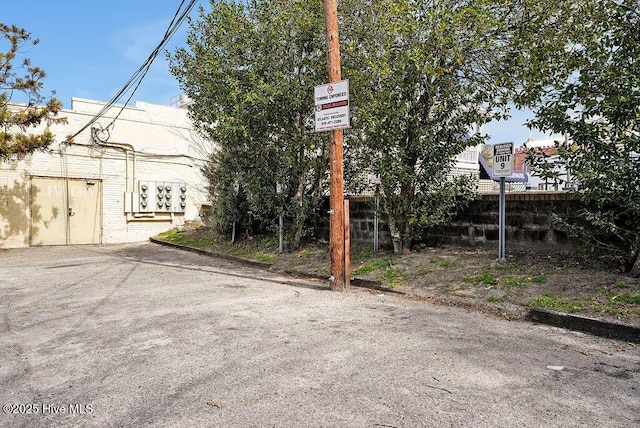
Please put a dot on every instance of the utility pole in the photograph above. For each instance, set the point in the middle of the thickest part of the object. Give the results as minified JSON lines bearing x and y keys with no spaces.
{"x":336,"y":186}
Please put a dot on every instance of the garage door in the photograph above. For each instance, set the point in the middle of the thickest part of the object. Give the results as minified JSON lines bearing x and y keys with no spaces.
{"x":65,"y":211}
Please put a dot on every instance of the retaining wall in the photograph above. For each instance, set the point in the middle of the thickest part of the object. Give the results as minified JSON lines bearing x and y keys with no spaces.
{"x":528,"y":220}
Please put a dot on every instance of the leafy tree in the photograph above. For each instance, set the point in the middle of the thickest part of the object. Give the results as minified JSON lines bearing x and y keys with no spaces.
{"x":423,"y":72}
{"x":250,"y":69}
{"x":582,"y":77}
{"x":24,"y":79}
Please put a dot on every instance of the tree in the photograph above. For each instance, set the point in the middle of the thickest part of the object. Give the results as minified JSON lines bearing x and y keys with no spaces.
{"x":423,"y":73}
{"x":583,"y":81}
{"x":26,"y":80}
{"x":250,"y":69}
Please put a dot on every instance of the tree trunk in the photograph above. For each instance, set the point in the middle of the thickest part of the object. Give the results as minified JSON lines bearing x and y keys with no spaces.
{"x":398,"y":236}
{"x":633,"y":261}
{"x":395,"y":237}
{"x":635,"y":270}
{"x":321,"y":166}
{"x":299,"y":215}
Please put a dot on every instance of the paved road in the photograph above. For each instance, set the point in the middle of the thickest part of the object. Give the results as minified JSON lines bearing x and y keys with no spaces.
{"x":143,"y":335}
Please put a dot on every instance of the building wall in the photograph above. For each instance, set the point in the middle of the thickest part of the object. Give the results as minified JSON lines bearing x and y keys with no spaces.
{"x":467,"y":162}
{"x":146,"y":143}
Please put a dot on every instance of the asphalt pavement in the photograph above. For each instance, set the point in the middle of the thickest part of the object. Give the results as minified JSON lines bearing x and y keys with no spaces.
{"x":145,"y":335}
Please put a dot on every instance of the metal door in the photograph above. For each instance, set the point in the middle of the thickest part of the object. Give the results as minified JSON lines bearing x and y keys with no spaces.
{"x":65,"y":211}
{"x":48,"y":211}
{"x":83,"y":211}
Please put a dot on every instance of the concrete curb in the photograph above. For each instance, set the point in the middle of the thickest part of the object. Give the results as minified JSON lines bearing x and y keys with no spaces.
{"x":239,"y":260}
{"x":558,"y":319}
{"x":356,"y":282}
{"x":587,"y":325}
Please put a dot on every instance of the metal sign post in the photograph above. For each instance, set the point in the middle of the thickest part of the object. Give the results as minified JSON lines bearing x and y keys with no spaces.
{"x":280,"y":221}
{"x":236,"y":189}
{"x":502,"y":167}
{"x":501,"y":220}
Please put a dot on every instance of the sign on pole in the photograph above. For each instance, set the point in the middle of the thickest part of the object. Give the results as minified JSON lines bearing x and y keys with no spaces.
{"x":502,"y":167}
{"x":503,"y":160}
{"x":332,"y":106}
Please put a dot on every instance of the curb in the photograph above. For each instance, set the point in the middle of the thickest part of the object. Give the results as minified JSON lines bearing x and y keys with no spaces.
{"x":239,"y":260}
{"x":356,"y":282}
{"x":542,"y":316}
{"x":587,"y":325}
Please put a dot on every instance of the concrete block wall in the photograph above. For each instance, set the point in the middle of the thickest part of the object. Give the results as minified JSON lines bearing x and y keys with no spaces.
{"x":362,"y":218}
{"x":528,"y":220}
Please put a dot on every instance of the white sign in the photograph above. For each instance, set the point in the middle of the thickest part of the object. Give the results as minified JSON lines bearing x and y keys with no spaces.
{"x":503,"y":160}
{"x":332,"y":106}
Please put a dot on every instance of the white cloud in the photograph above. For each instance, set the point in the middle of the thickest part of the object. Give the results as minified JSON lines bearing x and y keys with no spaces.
{"x":136,"y":43}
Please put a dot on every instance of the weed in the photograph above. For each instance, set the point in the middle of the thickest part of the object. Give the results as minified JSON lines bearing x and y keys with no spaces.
{"x":361,"y":255}
{"x":508,"y":267}
{"x":236,"y":251}
{"x":181,"y":238}
{"x":269,"y":242}
{"x":485,"y":277}
{"x":424,"y":272}
{"x":392,"y":277}
{"x":371,"y":266}
{"x":556,"y":303}
{"x":456,"y":287}
{"x":444,"y":263}
{"x":625,"y":299}
{"x":514,"y":281}
{"x":494,"y":299}
{"x":264,"y":257}
{"x":619,"y":284}
{"x":539,"y":279}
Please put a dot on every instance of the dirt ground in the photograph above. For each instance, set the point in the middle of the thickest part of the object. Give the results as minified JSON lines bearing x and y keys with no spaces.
{"x":471,"y":277}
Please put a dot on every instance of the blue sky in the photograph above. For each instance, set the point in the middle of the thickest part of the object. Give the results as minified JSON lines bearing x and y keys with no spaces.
{"x":90,"y":49}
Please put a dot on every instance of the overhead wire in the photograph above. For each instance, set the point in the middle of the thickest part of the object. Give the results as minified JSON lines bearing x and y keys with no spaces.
{"x":136,"y":79}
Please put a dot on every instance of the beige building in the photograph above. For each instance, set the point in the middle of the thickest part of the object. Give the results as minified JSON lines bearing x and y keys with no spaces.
{"x":116,"y":182}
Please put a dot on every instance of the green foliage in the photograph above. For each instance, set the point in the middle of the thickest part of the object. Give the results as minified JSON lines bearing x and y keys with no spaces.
{"x":619,"y":284}
{"x":422,"y":72}
{"x":485,"y":277}
{"x":509,"y":267}
{"x":539,"y":279}
{"x":421,"y":75}
{"x":179,"y":237}
{"x":580,"y":72}
{"x":626,"y":299}
{"x":361,"y":254}
{"x":514,"y":282}
{"x":444,"y":263}
{"x":371,"y":266}
{"x":392,"y":277}
{"x":249,"y":70}
{"x":17,"y":119}
{"x":556,"y":303}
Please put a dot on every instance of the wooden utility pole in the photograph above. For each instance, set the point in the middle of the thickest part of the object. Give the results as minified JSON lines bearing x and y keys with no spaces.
{"x":336,"y":186}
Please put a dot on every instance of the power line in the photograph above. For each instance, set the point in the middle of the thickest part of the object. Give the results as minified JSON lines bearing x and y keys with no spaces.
{"x":136,"y":79}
